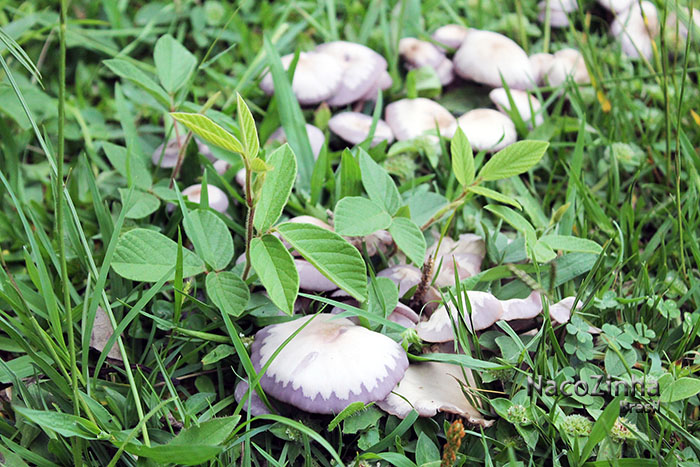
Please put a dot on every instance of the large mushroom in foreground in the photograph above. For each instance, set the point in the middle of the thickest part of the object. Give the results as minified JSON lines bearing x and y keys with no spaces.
{"x":329,"y":364}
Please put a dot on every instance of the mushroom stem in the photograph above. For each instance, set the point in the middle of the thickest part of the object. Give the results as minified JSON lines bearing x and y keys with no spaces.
{"x":249,"y":217}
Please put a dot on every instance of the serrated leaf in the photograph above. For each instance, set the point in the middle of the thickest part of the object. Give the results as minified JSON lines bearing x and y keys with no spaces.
{"x":228,"y":292}
{"x":276,"y":188}
{"x":211,"y":238}
{"x":208,"y":130}
{"x":356,"y":216}
{"x":409,"y":238}
{"x":331,"y":254}
{"x":174,"y":63}
{"x":129,"y":71}
{"x":145,"y":255}
{"x":571,"y":243}
{"x":514,"y":159}
{"x":462,"y":158}
{"x":141,"y":204}
{"x":488,"y":193}
{"x":378,"y":183}
{"x":249,"y":132}
{"x":276,"y":270}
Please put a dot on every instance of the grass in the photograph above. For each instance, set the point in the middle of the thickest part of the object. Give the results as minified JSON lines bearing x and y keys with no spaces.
{"x":621,"y":170}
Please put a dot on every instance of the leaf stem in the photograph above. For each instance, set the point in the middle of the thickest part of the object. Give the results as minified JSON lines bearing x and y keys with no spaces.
{"x":249,"y":217}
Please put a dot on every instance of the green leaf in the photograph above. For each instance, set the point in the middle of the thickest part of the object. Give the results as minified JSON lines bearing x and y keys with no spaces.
{"x":211,"y":238}
{"x":140,"y":175}
{"x":129,"y":71}
{"x":350,"y":177}
{"x":462,"y":158}
{"x":276,"y":188}
{"x":426,"y":451}
{"x":513,"y":160}
{"x":249,"y":132}
{"x":681,"y":389}
{"x":228,"y":292}
{"x":357,"y":216}
{"x":571,"y":243}
{"x":141,"y":205}
{"x":409,"y":238}
{"x":62,"y":423}
{"x":514,"y":219}
{"x":208,"y":130}
{"x":218,"y":353}
{"x":145,"y":255}
{"x":601,"y":427}
{"x":174,"y":63}
{"x":378,"y":183}
{"x":488,"y":193}
{"x":276,"y":270}
{"x":332,"y":255}
{"x":345,"y":413}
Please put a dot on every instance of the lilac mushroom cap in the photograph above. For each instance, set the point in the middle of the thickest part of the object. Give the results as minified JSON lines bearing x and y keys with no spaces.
{"x":172,"y":148}
{"x":354,"y":128}
{"x":316,"y":138}
{"x":468,"y":251}
{"x":404,"y":316}
{"x":484,"y":56}
{"x":405,"y":276}
{"x":526,"y":104}
{"x":217,"y":198}
{"x":560,"y":312}
{"x":329,"y":364}
{"x":522,"y":308}
{"x":486,"y":129}
{"x":360,"y":68}
{"x":311,"y":278}
{"x":451,"y":35}
{"x":316,"y":78}
{"x":257,"y":406}
{"x":409,"y":118}
{"x":432,"y":387}
{"x":486,"y":310}
{"x":374,"y":242}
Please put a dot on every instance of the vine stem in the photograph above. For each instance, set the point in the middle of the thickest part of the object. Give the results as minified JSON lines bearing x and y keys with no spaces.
{"x":58,"y":198}
{"x":249,"y":217}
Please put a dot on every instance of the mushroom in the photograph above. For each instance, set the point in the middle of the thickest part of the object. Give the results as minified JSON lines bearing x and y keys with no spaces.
{"x":484,"y":56}
{"x":526,"y":104}
{"x":409,"y":118}
{"x":486,"y":310}
{"x":404,"y":316}
{"x":221,"y":166}
{"x":329,"y":364}
{"x":102,"y":330}
{"x":522,"y":308}
{"x":486,"y":129}
{"x":360,"y":68}
{"x":257,"y":406}
{"x":431,"y":387}
{"x":172,"y":148}
{"x":354,"y":128}
{"x":311,"y":278}
{"x":567,"y":62}
{"x":450,"y":35}
{"x":616,"y":6}
{"x":418,"y":54}
{"x":541,"y":63}
{"x":467,"y":252}
{"x":636,"y":28}
{"x":217,"y":198}
{"x":383,"y":82}
{"x":374,"y":242}
{"x":558,"y":12}
{"x":316,"y":78}
{"x":315,"y":135}
{"x":560,"y":312}
{"x":405,"y":276}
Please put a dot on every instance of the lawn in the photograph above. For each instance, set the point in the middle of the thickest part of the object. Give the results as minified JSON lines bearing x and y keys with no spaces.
{"x":338,"y":232}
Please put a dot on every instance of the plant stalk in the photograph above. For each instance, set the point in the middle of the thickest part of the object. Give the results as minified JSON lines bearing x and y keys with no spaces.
{"x":249,"y":217}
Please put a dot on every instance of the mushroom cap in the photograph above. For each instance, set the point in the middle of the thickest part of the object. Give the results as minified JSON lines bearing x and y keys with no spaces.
{"x":467,"y":252}
{"x":383,"y":82}
{"x":376,"y":241}
{"x":404,"y":316}
{"x":311,"y":278}
{"x":169,"y":156}
{"x":560,"y":312}
{"x":445,"y":71}
{"x":329,"y":364}
{"x":405,"y":276}
{"x":486,"y":310}
{"x":360,"y":67}
{"x":636,"y":35}
{"x":221,"y":166}
{"x":240,"y":177}
{"x":526,"y":104}
{"x":567,"y":62}
{"x":484,"y":56}
{"x":558,"y":18}
{"x":486,"y":129}
{"x":316,"y":138}
{"x":616,"y":6}
{"x":217,"y":198}
{"x":541,"y":63}
{"x":431,"y":387}
{"x":316,"y":78}
{"x":522,"y":308}
{"x":257,"y":406}
{"x":354,"y":128}
{"x":310,"y":220}
{"x":409,"y":118}
{"x":451,"y":35}
{"x":418,"y":53}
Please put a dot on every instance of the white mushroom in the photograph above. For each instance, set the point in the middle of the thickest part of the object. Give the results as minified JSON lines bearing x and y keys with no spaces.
{"x":221,"y":166}
{"x":374,"y":242}
{"x":329,"y":364}
{"x":172,"y":148}
{"x":541,"y":63}
{"x":526,"y":104}
{"x":409,"y":118}
{"x":636,"y":28}
{"x":486,"y":129}
{"x":317,"y":77}
{"x":484,"y":56}
{"x":405,"y":276}
{"x":311,"y":278}
{"x":431,"y":387}
{"x":418,"y":53}
{"x":217,"y":198}
{"x":404,"y":316}
{"x":522,"y":308}
{"x":616,"y":6}
{"x":486,"y":310}
{"x":558,"y":12}
{"x":560,"y":312}
{"x":450,"y":35}
{"x":567,"y":62}
{"x":360,"y":68}
{"x":467,"y":252}
{"x":315,"y":135}
{"x":383,"y":82}
{"x":354,"y":128}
